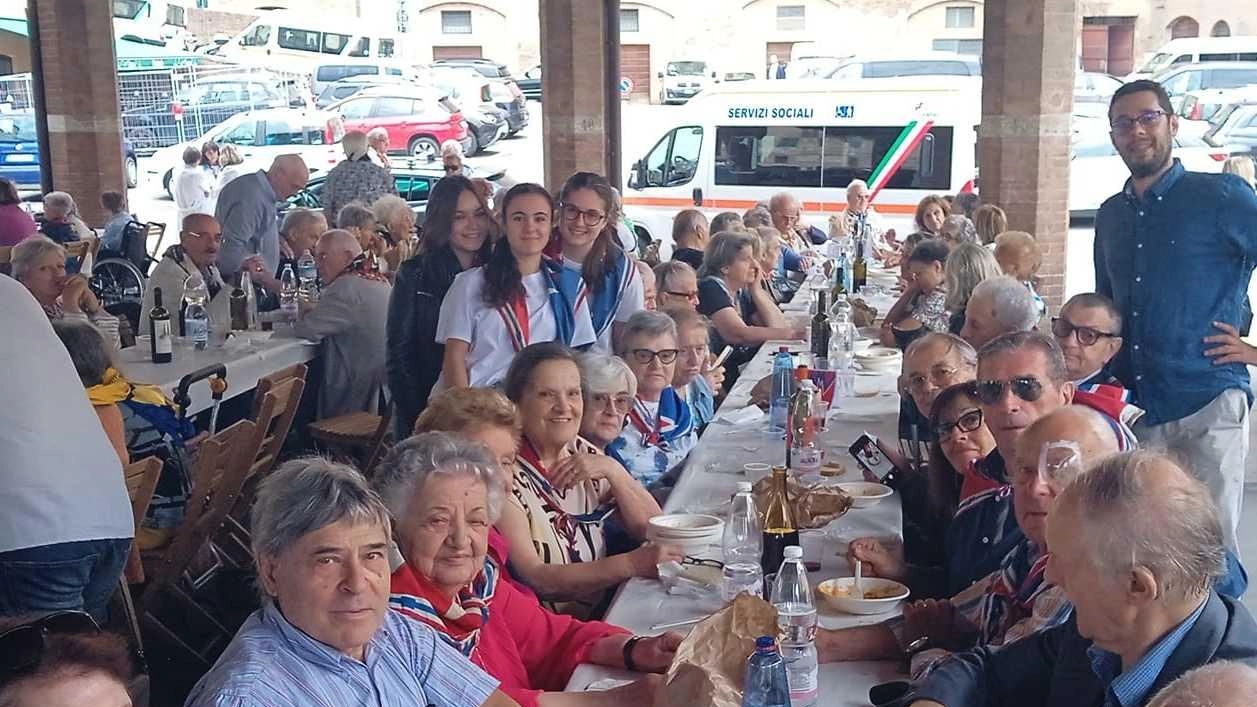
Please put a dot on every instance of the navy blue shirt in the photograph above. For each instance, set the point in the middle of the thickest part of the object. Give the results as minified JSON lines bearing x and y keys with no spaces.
{"x":1174,"y":261}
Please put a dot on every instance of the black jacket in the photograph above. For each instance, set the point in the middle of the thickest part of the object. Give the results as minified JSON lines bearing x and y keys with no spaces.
{"x":414,"y":357}
{"x":1051,"y":668}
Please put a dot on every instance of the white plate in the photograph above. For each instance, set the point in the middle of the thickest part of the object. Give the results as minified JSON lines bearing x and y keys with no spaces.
{"x":865,"y":493}
{"x":852,"y":605}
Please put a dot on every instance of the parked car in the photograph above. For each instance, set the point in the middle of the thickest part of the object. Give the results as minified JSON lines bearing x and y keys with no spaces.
{"x":1180,"y":79}
{"x":417,"y":119}
{"x":923,"y":64}
{"x":344,"y":88}
{"x":503,"y":93}
{"x":530,"y":84}
{"x":1094,"y":87}
{"x":20,"y":156}
{"x":1097,"y":172}
{"x":1235,"y":129}
{"x":330,"y":72}
{"x":261,"y":136}
{"x":196,"y":109}
{"x":485,"y":67}
{"x":1207,"y":103}
{"x":414,"y":179}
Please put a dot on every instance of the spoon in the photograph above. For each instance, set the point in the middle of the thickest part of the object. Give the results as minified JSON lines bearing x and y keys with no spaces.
{"x":859,"y":581}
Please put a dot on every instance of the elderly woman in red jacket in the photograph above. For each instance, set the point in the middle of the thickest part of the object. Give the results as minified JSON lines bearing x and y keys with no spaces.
{"x":444,"y":493}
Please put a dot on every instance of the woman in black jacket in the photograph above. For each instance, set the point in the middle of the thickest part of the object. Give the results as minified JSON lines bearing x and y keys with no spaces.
{"x":456,"y":236}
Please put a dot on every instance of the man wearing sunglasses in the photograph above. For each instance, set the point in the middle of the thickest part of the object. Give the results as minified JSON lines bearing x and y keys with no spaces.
{"x":1175,"y":251}
{"x":1089,"y":330}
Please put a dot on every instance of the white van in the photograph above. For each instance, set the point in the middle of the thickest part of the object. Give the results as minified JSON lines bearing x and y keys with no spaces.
{"x":295,"y":41}
{"x":739,"y":143}
{"x":329,"y":72}
{"x":1192,"y":50}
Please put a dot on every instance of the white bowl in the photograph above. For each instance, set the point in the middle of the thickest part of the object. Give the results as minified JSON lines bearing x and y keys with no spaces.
{"x":880,"y":353}
{"x":865,"y":493}
{"x":840,"y":594}
{"x":678,"y":526}
{"x":869,"y":332}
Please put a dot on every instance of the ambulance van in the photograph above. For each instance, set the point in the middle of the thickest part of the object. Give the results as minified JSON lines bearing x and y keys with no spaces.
{"x":737,"y":144}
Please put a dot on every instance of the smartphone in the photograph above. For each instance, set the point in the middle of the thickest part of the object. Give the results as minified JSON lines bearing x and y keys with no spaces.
{"x":876,"y":465}
{"x":720,"y":360}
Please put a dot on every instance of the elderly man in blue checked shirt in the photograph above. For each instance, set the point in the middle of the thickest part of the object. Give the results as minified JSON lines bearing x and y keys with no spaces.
{"x":1136,"y":547}
{"x":325,"y":636}
{"x":1175,"y":250}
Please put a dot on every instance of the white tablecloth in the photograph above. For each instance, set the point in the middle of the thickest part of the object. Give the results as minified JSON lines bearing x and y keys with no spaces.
{"x":710,"y":478}
{"x":246,"y":361}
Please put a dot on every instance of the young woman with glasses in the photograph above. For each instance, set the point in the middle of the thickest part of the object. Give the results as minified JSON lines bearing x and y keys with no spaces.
{"x":586,"y":245}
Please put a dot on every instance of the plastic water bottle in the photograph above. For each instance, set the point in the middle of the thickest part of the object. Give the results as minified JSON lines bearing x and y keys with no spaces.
{"x":308,"y":276}
{"x":288,"y":294}
{"x":783,"y":388}
{"x":796,"y":627}
{"x":842,"y":336}
{"x":196,"y":320}
{"x":742,"y":544}
{"x":766,"y":682}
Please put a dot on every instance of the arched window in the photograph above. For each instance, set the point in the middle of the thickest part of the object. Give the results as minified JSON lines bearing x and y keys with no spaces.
{"x":1220,"y":29}
{"x":1184,"y":27}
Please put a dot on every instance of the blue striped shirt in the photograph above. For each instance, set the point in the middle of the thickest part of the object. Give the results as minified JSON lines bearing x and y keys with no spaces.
{"x":1129,"y":688}
{"x":271,"y":663}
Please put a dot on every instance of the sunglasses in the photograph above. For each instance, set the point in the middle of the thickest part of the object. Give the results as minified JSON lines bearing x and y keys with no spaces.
{"x":969,"y":421}
{"x":645,"y":356}
{"x":22,"y":647}
{"x":1028,"y":388}
{"x":591,"y":217}
{"x":1087,"y":336}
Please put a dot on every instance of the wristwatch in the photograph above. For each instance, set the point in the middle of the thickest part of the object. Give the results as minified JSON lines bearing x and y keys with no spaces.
{"x":628,"y":653}
{"x":916,"y":646}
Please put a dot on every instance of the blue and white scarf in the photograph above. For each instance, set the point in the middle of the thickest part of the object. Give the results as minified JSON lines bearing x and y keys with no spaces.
{"x":652,"y":445}
{"x":604,"y":303}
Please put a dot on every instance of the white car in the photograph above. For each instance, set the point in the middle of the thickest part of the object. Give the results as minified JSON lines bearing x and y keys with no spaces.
{"x":1097,"y":172}
{"x":261,"y":136}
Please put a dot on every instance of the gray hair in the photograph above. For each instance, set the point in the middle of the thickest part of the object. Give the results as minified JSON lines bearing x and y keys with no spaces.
{"x":402,"y":472}
{"x":723,"y":249}
{"x":1021,"y":340}
{"x":967,"y":265}
{"x":61,"y":203}
{"x":387,"y":207}
{"x":300,"y":219}
{"x":26,"y":255}
{"x":605,"y":374}
{"x":729,"y":221}
{"x":354,"y":144}
{"x":857,"y":183}
{"x":968,"y":355}
{"x":306,"y":494}
{"x":451,"y":148}
{"x":1170,"y":529}
{"x":964,"y":229}
{"x":87,"y":348}
{"x":1221,"y":684}
{"x":1014,"y":306}
{"x":377,"y":135}
{"x":669,"y":269}
{"x":755,"y":217}
{"x":648,"y":324}
{"x":354,"y":215}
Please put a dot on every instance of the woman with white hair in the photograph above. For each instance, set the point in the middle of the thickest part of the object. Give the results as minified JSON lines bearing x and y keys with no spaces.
{"x":661,"y":432}
{"x":968,"y":264}
{"x":61,"y":219}
{"x":377,"y":140}
{"x":39,"y":264}
{"x":444,"y":494}
{"x":395,"y":216}
{"x":355,"y":179}
{"x":609,"y":390}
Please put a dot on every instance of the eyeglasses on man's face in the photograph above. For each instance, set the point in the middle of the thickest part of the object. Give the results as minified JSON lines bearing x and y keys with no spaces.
{"x":1147,"y":119}
{"x":1028,"y":388}
{"x":1087,"y":336}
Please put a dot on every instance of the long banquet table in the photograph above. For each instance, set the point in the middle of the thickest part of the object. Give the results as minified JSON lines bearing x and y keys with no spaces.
{"x":246,"y":361}
{"x":710,"y":478}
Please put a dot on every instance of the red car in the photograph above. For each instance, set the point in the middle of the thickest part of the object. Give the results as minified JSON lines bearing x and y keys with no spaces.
{"x":418,"y":120}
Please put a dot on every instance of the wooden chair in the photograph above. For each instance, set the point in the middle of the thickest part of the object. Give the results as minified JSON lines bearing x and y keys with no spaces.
{"x":266,"y":383}
{"x":141,"y":479}
{"x":80,"y":248}
{"x":272,"y":420}
{"x":357,"y":434}
{"x":222,"y":465}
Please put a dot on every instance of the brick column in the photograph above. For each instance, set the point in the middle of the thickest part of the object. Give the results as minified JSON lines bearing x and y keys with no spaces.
{"x":1029,"y":49}
{"x":75,"y":56}
{"x":579,"y":51}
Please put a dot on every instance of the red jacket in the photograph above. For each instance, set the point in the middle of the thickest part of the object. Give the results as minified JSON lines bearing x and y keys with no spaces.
{"x":528,"y":649}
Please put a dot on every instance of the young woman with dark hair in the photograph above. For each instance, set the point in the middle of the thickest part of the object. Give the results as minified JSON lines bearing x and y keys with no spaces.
{"x":516,"y":298}
{"x":586,"y":244}
{"x":456,"y":236}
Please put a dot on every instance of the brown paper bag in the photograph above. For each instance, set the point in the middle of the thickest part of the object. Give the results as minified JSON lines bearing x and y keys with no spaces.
{"x":862,"y":315}
{"x":814,"y":506}
{"x":710,"y":664}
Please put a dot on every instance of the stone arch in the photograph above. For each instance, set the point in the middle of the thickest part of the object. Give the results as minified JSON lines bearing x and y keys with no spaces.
{"x":1184,"y":26}
{"x":1220,"y":29}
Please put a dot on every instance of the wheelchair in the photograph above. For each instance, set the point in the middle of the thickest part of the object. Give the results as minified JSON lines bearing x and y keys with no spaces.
{"x":119,"y":278}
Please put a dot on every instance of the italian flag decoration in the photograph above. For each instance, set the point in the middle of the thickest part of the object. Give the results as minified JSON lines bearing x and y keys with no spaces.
{"x":903,"y":146}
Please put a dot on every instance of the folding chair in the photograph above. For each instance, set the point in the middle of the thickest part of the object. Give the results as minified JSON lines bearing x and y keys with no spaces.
{"x":141,"y":479}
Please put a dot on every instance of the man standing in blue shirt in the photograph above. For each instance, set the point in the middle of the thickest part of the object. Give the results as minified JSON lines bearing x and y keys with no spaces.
{"x":1175,"y":251}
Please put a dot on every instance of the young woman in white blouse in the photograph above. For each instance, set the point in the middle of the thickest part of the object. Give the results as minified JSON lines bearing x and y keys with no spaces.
{"x":517,"y":298}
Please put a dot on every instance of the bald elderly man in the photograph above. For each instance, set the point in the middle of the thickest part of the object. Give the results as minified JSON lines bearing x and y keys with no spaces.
{"x":247,"y":212}
{"x":200,"y":244}
{"x":1136,"y":547}
{"x":1222,"y":684}
{"x":350,"y":321}
{"x":986,"y":613}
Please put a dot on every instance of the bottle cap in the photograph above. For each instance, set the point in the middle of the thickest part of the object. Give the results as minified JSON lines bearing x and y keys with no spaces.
{"x":744,"y":486}
{"x":793,"y":552}
{"x":765,"y":642}
{"x":801,"y":373}
{"x":783,"y":349}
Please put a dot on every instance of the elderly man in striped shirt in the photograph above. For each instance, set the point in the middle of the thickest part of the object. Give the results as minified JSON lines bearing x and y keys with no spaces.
{"x":325,"y":635}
